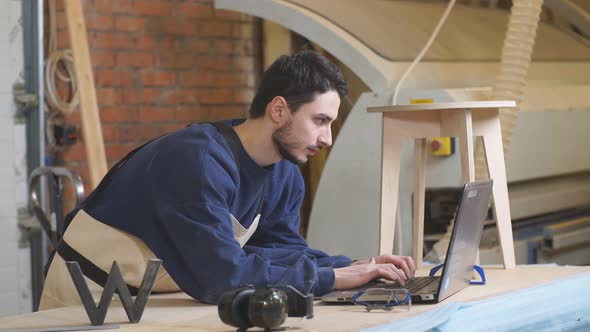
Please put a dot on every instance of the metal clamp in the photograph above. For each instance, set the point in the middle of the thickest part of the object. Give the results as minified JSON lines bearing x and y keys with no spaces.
{"x":44,"y":219}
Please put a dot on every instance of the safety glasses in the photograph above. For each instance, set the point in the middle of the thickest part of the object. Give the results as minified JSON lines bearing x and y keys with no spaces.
{"x":398,"y":299}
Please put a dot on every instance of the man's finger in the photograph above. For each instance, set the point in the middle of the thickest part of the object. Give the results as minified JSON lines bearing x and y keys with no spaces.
{"x":401,"y":278}
{"x":404,"y":266}
{"x":410,"y":263}
{"x":389,"y":273}
{"x":399,"y":275}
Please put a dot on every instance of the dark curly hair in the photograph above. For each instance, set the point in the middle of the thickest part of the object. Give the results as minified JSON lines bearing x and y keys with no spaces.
{"x":298,"y":78}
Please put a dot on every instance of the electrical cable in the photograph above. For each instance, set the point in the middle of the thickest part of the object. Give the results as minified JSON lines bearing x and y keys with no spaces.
{"x":53,"y":99}
{"x":398,"y":224}
{"x":56,"y":102}
{"x":57,"y":107}
{"x":423,"y":51}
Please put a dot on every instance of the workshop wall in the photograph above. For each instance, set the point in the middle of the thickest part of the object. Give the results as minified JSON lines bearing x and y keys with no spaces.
{"x":15,"y":278}
{"x":160,"y":65}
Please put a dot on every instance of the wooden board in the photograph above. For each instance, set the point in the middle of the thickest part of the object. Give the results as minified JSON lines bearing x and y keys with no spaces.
{"x":91,"y":126}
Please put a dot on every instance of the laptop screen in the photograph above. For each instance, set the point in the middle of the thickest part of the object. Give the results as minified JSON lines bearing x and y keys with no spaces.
{"x":465,"y":238}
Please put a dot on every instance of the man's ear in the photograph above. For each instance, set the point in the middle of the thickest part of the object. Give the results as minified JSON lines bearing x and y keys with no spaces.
{"x":278,"y":110}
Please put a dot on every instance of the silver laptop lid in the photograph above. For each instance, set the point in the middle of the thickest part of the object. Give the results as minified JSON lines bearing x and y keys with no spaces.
{"x":465,"y":238}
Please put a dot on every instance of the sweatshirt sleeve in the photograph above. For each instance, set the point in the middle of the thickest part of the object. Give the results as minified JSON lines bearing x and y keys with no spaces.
{"x":278,"y":238}
{"x":194,"y":236}
{"x":203,"y":258}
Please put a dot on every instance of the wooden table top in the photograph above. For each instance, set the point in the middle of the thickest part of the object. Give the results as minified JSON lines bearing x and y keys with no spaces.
{"x":444,"y":106}
{"x":179,"y":312}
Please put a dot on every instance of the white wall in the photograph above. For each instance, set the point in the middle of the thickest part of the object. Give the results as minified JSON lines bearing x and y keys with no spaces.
{"x":14,"y":269}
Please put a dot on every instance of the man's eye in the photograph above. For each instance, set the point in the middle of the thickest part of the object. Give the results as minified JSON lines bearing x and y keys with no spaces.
{"x":320,"y":121}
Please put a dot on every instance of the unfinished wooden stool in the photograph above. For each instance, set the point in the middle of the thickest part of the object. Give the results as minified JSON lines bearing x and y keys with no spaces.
{"x":456,"y":119}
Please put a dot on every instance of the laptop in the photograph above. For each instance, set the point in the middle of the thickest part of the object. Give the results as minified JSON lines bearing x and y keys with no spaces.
{"x":461,"y":254}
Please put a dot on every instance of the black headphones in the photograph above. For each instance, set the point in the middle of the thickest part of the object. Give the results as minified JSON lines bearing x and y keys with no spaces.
{"x":263,"y":307}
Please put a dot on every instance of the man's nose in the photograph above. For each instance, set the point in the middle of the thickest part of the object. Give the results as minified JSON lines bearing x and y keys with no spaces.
{"x":325,"y":138}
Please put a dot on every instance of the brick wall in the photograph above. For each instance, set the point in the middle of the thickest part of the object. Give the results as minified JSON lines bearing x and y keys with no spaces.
{"x":161,"y":64}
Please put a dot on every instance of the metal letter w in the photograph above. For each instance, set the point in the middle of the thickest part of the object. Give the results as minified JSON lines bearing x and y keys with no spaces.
{"x":115,"y":282}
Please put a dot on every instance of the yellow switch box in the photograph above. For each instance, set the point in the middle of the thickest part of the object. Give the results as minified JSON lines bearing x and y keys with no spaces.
{"x":441,"y":146}
{"x":422,"y":101}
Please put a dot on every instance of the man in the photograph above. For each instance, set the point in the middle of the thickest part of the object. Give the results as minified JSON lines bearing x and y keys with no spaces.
{"x":219,"y":203}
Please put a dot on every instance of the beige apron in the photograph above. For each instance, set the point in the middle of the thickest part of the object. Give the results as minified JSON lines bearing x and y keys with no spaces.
{"x":91,"y":238}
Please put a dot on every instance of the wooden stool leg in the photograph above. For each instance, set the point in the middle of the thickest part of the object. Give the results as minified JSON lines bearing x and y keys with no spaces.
{"x":419,"y":194}
{"x":494,"y":152}
{"x":466,"y":142}
{"x":390,"y":166}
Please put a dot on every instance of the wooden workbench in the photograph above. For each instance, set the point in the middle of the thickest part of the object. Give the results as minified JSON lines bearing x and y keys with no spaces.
{"x":178,"y":312}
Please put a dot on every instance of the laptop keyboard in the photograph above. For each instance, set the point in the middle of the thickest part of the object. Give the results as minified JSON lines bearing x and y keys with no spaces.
{"x":413,"y":285}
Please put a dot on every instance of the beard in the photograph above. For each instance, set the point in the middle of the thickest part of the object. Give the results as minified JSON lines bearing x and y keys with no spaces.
{"x":282,"y":138}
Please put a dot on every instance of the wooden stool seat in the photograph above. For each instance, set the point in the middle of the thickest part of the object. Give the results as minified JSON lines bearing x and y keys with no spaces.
{"x":456,"y":119}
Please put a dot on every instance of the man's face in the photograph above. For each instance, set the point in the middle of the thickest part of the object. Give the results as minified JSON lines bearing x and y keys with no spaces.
{"x":309,"y":129}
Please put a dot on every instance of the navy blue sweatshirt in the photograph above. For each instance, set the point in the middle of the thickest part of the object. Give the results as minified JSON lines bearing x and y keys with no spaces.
{"x":177,"y":193}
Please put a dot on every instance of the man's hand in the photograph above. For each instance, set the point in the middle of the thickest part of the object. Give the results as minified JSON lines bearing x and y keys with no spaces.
{"x":390,"y":267}
{"x":406,"y":263}
{"x":387,"y":266}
